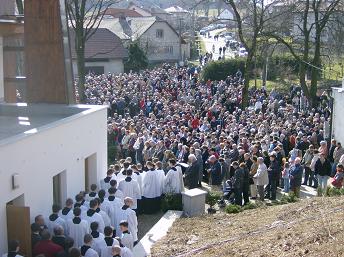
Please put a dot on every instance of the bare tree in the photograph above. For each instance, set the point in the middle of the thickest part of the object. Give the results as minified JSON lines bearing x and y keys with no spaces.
{"x":309,"y":19}
{"x":251,"y":17}
{"x":85,"y":17}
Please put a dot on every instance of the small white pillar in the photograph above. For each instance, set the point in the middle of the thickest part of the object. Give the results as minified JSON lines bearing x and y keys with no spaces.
{"x":194,"y":202}
{"x":2,"y":87}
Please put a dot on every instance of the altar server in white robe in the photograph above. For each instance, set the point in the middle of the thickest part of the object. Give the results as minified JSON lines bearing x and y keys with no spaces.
{"x":55,"y":220}
{"x":123,"y":174}
{"x":81,"y":203}
{"x":116,"y":172}
{"x":151,"y":190}
{"x":86,"y":250}
{"x":137,"y":175}
{"x":115,"y":204}
{"x":104,"y":204}
{"x":127,"y":238}
{"x":105,"y":216}
{"x":125,"y":251}
{"x":67,"y":212}
{"x":108,"y":242}
{"x":98,"y":238}
{"x":93,"y":194}
{"x":130,"y":188}
{"x":92,"y":215}
{"x":173,"y":183}
{"x":105,"y":182}
{"x":77,"y":228}
{"x":161,"y":174}
{"x":126,"y":213}
{"x":118,"y":193}
{"x":139,"y":178}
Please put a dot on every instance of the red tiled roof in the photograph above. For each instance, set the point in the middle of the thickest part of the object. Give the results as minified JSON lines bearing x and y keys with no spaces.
{"x":103,"y":44}
{"x":116,"y":12}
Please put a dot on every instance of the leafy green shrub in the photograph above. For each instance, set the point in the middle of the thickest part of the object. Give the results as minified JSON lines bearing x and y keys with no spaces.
{"x":333,"y":191}
{"x":342,"y":191}
{"x":212,"y":198}
{"x":112,"y":150}
{"x":172,"y":202}
{"x":219,"y":70}
{"x":290,"y":198}
{"x":277,"y":67}
{"x":233,"y":208}
{"x":250,"y":206}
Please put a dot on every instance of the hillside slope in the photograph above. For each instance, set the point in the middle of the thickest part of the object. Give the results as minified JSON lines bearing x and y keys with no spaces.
{"x":312,"y":227}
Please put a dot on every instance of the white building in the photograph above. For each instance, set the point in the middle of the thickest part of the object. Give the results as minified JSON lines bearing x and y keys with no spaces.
{"x":47,"y":153}
{"x":337,"y":116}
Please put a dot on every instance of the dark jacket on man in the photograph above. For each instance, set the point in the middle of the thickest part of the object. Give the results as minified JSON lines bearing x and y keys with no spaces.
{"x":322,"y":169}
{"x":274,"y":170}
{"x":192,"y":175}
{"x":296,"y":176}
{"x":215,"y":173}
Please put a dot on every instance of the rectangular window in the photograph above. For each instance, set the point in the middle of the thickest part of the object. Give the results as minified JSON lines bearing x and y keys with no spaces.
{"x":167,"y":50}
{"x":159,"y":33}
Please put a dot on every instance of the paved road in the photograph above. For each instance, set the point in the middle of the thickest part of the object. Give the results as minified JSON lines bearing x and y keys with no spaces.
{"x":209,"y":42}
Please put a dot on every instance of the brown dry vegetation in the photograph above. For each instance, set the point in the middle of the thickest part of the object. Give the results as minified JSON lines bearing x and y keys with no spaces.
{"x":312,"y":227}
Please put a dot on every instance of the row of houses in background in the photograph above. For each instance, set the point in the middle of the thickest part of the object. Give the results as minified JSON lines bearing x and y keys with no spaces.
{"x":155,"y":30}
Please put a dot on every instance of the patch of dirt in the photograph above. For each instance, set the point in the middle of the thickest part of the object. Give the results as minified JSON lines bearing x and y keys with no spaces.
{"x":312,"y":227}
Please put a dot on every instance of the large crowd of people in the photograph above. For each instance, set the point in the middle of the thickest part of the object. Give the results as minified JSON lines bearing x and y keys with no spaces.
{"x":167,"y":128}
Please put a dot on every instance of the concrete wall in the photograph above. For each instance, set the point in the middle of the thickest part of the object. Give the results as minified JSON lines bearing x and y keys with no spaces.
{"x":155,"y":47}
{"x":338,"y":117}
{"x":40,"y":156}
{"x":115,"y":66}
{"x":1,"y":70}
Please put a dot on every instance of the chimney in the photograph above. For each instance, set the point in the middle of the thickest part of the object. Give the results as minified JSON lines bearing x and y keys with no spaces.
{"x":125,"y":25}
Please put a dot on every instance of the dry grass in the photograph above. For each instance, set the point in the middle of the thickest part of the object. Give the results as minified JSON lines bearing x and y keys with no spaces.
{"x":312,"y":227}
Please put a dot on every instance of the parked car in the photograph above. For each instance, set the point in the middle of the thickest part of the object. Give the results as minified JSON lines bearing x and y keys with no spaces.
{"x":228,"y":38}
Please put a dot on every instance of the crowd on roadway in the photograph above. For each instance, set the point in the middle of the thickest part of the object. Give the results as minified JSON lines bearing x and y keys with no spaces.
{"x":166,"y":127}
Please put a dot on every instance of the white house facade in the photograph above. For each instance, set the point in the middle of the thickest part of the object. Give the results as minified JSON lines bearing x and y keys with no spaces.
{"x":47,"y":153}
{"x":337,"y":116}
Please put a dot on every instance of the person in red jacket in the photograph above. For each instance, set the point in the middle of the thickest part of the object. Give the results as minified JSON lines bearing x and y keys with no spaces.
{"x":46,"y":246}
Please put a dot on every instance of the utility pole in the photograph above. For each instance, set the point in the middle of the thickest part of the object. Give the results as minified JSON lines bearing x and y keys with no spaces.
{"x":180,"y":39}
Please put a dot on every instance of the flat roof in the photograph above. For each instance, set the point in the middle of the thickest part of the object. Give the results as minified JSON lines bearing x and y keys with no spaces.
{"x":21,"y":120}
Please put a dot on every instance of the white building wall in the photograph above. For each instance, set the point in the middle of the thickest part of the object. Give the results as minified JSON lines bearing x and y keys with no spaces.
{"x":338,"y":117}
{"x":39,"y":157}
{"x":1,"y":70}
{"x":115,"y":66}
{"x":155,"y":46}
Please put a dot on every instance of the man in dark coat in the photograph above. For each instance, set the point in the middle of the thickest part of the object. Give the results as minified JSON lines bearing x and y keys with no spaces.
{"x":192,"y":172}
{"x":238,"y":183}
{"x":274,"y":173}
{"x":215,"y":171}
{"x":296,"y":177}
